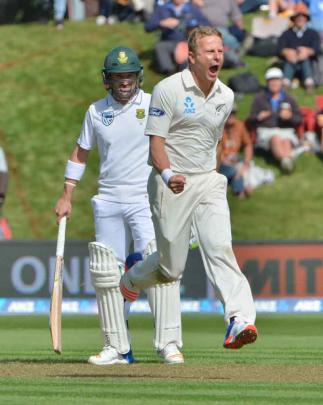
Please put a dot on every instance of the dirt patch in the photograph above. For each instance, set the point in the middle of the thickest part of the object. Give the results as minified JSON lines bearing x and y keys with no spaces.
{"x":273,"y":373}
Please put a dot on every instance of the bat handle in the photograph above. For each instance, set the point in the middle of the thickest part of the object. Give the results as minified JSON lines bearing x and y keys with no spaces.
{"x":61,"y":237}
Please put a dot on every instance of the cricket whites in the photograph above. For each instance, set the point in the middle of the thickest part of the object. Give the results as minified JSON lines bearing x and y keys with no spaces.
{"x":55,"y":322}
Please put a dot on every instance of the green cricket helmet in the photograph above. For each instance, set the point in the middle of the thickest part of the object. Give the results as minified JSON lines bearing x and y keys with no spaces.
{"x":119,"y":61}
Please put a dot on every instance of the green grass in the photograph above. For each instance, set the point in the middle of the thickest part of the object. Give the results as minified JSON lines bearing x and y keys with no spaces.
{"x":284,"y":365}
{"x":49,"y":78}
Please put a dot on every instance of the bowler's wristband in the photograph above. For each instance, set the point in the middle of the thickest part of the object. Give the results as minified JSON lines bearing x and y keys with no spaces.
{"x":166,"y":174}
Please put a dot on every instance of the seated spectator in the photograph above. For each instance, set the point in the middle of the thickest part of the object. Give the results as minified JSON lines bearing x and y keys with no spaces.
{"x":275,"y":115}
{"x":59,"y":13}
{"x":298,"y":47}
{"x":172,"y":19}
{"x":235,"y":139}
{"x":114,"y":11}
{"x":315,"y":138}
{"x":226,"y":16}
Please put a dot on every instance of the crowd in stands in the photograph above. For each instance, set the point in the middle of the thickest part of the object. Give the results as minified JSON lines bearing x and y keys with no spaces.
{"x":289,"y":30}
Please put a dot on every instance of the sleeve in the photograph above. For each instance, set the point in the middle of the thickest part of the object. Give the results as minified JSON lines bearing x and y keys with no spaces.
{"x":87,"y":139}
{"x":256,"y":107}
{"x":283,"y":42}
{"x":160,"y":112}
{"x":153,"y":22}
{"x":235,"y":12}
{"x":316,"y":45}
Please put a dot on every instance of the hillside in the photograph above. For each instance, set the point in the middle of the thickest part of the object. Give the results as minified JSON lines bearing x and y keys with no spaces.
{"x":49,"y":78}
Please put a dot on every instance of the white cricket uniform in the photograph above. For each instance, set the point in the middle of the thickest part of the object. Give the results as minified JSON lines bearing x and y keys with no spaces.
{"x":192,"y":125}
{"x":121,"y":207}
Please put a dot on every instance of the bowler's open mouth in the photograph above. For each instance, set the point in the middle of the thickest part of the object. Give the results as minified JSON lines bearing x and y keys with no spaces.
{"x":214,"y":68}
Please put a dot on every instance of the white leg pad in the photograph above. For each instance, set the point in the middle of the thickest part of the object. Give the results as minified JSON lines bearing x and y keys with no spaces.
{"x":164,"y":301}
{"x":105,"y":276}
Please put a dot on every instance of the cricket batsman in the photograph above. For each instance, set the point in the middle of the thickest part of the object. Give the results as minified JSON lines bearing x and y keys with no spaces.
{"x":115,"y":125}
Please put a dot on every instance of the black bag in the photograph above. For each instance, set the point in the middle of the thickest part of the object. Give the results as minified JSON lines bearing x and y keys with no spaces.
{"x":244,"y":83}
{"x":264,"y":47}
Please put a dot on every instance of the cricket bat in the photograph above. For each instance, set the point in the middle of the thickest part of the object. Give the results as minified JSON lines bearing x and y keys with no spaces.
{"x":55,"y":321}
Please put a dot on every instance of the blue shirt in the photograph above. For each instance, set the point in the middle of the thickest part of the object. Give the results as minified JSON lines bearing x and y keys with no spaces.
{"x":188,"y":15}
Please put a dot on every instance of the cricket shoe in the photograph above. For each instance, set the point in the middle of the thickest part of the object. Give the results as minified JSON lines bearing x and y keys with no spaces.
{"x":127,"y":289}
{"x":238,"y":334}
{"x":110,"y":356}
{"x":171,"y":355}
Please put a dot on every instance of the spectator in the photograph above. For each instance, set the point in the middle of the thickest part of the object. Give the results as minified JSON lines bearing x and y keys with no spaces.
{"x":105,"y":13}
{"x":275,"y":115}
{"x":114,"y":11}
{"x":319,"y":128}
{"x":232,"y":164}
{"x":172,"y":19}
{"x":298,"y":46}
{"x":226,"y":16}
{"x":59,"y":13}
{"x":315,"y":138}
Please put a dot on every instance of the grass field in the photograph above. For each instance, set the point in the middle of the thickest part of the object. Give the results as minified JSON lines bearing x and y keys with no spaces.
{"x":49,"y":78}
{"x":285,"y":365}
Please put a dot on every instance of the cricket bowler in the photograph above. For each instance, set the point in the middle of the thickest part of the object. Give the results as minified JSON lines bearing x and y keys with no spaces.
{"x":187,"y":114}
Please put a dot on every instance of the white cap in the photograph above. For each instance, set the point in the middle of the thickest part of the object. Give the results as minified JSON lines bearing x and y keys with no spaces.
{"x":274,"y":73}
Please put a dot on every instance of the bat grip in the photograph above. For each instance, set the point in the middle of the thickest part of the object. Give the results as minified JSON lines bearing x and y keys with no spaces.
{"x":61,"y":237}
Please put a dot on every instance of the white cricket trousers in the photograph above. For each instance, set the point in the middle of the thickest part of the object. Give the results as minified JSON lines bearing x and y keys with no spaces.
{"x":118,"y":224}
{"x":203,"y":205}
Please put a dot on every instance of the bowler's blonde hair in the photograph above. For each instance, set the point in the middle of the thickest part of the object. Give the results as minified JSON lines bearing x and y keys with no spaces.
{"x":200,"y":32}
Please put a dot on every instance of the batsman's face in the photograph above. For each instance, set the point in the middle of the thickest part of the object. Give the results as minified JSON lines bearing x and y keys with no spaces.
{"x":123,"y":86}
{"x":207,"y":60}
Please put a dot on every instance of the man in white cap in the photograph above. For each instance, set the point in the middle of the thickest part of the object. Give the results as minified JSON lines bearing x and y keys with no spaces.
{"x":276,"y":115}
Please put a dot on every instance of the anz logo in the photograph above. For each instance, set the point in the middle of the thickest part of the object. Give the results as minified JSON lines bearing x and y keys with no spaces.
{"x":189,"y":105}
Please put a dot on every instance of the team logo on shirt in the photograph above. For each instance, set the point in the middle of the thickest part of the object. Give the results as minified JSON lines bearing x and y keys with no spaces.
{"x":221,"y":108}
{"x":189,"y":106}
{"x":107,"y":117}
{"x":156,"y":112}
{"x":140,"y":113}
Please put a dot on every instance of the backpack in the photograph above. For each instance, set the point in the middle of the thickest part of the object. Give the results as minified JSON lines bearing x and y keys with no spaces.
{"x":244,"y":83}
{"x":264,"y":47}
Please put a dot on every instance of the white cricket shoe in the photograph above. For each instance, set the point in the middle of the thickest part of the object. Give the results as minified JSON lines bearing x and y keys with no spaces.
{"x":239,"y":333}
{"x":171,"y":354}
{"x":110,"y":356}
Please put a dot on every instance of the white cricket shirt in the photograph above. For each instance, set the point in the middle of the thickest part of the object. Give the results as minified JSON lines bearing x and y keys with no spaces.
{"x":191,"y":123}
{"x":118,"y":132}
